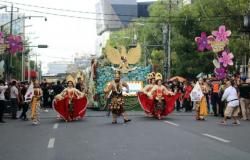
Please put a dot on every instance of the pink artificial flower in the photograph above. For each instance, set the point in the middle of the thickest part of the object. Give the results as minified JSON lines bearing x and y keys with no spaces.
{"x":226,"y":58}
{"x":222,"y":34}
{"x":220,"y":73}
{"x":204,"y":42}
{"x":15,"y":44}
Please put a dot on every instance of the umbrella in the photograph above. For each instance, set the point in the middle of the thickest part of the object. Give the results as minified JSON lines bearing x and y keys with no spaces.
{"x":178,"y":78}
{"x":200,"y":75}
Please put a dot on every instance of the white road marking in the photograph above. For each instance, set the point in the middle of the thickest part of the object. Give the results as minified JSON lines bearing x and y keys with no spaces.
{"x":174,"y":124}
{"x":216,"y":138}
{"x":51,"y":143}
{"x":55,"y":126}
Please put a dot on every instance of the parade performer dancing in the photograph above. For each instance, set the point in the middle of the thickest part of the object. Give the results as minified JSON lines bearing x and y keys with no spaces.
{"x":146,"y":104}
{"x":201,"y":106}
{"x":71,"y":104}
{"x":159,"y":101}
{"x":35,"y":103}
{"x":117,"y":100}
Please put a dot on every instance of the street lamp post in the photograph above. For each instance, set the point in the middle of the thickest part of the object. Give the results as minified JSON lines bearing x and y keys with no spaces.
{"x":9,"y":63}
{"x":36,"y":67}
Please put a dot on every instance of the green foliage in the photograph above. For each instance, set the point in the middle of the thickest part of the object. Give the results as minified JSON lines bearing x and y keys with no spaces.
{"x":187,"y":22}
{"x":17,"y":66}
{"x":157,"y":60}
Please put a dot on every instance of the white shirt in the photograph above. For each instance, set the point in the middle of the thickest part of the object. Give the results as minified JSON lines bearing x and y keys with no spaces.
{"x":2,"y":91}
{"x":229,"y":95}
{"x":13,"y":92}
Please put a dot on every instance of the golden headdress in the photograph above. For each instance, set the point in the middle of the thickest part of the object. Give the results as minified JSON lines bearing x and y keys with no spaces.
{"x":149,"y":76}
{"x":158,"y":76}
{"x":153,"y":74}
{"x":70,"y":78}
{"x":117,"y":74}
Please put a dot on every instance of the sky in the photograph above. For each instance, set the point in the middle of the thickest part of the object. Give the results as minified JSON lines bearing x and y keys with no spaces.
{"x":64,"y":36}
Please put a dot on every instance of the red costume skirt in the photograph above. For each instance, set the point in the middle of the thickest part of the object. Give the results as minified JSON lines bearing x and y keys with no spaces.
{"x":78,"y":109}
{"x":148,"y":105}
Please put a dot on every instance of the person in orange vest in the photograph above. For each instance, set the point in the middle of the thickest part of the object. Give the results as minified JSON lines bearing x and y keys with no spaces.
{"x":215,"y":99}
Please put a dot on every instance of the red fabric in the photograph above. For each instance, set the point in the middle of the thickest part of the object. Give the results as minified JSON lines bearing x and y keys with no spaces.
{"x":188,"y":90}
{"x":32,"y":74}
{"x":79,"y":110}
{"x":170,"y":103}
{"x":147,"y":104}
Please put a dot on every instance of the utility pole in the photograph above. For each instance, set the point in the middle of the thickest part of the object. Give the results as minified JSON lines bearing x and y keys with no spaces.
{"x":9,"y":57}
{"x":169,"y":40}
{"x":11,"y":18}
{"x":169,"y":51}
{"x":165,"y":46}
{"x":28,"y":68}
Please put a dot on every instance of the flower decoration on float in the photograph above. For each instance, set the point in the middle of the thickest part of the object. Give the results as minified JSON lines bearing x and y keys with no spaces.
{"x":217,"y":42}
{"x":204,"y":42}
{"x":15,"y":43}
{"x":222,"y":34}
{"x":226,"y":58}
{"x":220,"y":73}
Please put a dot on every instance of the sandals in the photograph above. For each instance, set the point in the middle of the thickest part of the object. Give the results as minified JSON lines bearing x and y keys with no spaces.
{"x":236,"y":123}
{"x":127,"y":120}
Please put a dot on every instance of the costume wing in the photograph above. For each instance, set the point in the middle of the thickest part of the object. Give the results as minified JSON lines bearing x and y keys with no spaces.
{"x":123,"y":51}
{"x":113,"y":55}
{"x":134,"y":54}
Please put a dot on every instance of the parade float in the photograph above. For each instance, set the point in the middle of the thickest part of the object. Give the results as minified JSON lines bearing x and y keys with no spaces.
{"x":120,"y":60}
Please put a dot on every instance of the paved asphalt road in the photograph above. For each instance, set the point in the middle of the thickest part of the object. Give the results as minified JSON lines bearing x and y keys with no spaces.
{"x":177,"y":137}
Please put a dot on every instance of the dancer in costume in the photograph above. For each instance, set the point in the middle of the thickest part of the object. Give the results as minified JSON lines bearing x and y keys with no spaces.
{"x":71,"y":104}
{"x":116,"y":105}
{"x":160,"y":98}
{"x":147,"y":106}
{"x":201,"y":106}
{"x":151,"y":83}
{"x":35,"y":103}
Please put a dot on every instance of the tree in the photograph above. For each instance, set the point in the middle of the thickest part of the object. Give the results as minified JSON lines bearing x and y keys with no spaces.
{"x":157,"y":59}
{"x":187,"y":22}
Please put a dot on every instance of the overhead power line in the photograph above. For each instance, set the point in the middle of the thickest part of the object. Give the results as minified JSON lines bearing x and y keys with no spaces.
{"x":68,"y":10}
{"x":173,"y":19}
{"x":96,"y":13}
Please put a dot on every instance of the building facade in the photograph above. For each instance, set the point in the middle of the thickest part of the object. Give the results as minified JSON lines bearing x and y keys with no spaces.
{"x":58,"y":67}
{"x":17,"y":24}
{"x":82,"y":61}
{"x":114,"y":15}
